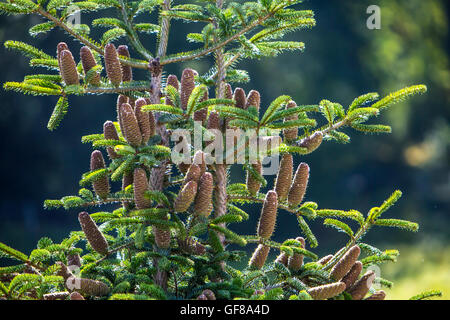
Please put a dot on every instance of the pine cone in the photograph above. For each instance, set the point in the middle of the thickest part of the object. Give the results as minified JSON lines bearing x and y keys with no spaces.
{"x":213,"y":121}
{"x":93,"y":234}
{"x":101,"y":185}
{"x":351,"y":276}
{"x":253,"y":185}
{"x":88,"y":62}
{"x":140,"y":183}
{"x":60,"y":47}
{"x":379,"y":295}
{"x":143,"y":120}
{"x":162,"y":236}
{"x":91,"y":287}
{"x":200,"y":160}
{"x":112,"y":65}
{"x":284,"y":177}
{"x":266,"y":224}
{"x":185,"y":197}
{"x":130,"y":128}
{"x":282,"y":258}
{"x":110,"y":133}
{"x":202,"y":114}
{"x":203,"y":200}
{"x":240,"y":98}
{"x":345,"y":263}
{"x":172,"y":80}
{"x":228,"y":91}
{"x":312,"y":142}
{"x":291,"y":134}
{"x":209,"y":294}
{"x":362,"y":286}
{"x":74,"y":260}
{"x":325,"y":259}
{"x":296,"y":261}
{"x":76,"y":296}
{"x":327,"y":291}
{"x":253,"y":99}
{"x":192,"y":246}
{"x":187,"y":86}
{"x":127,"y":72}
{"x":298,"y":187}
{"x":202,"y":297}
{"x":68,"y":68}
{"x":121,"y":99}
{"x":259,"y":256}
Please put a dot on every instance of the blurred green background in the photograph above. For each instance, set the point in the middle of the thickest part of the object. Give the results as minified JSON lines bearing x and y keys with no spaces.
{"x":343,"y":59}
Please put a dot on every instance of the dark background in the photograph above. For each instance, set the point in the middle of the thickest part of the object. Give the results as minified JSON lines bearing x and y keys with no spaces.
{"x":343,"y":59}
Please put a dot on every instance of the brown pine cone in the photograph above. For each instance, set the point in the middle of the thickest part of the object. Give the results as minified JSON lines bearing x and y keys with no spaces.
{"x":172,"y":80}
{"x":379,"y":295}
{"x":253,"y":99}
{"x":203,"y":200}
{"x":345,"y":263}
{"x":130,"y":128}
{"x":56,"y":295}
{"x":185,"y":197}
{"x":110,"y":133}
{"x":89,"y":287}
{"x":291,"y":134}
{"x":296,"y":261}
{"x":101,"y":185}
{"x":362,"y":286}
{"x":351,"y":276}
{"x":187,"y":86}
{"x":94,"y":236}
{"x":76,"y":296}
{"x":192,"y":246}
{"x":327,"y":291}
{"x":259,"y":256}
{"x":312,"y":142}
{"x":140,"y":183}
{"x":266,"y":224}
{"x":325,"y":259}
{"x":127,"y":72}
{"x":240,"y":98}
{"x":282,"y":258}
{"x":143,"y":120}
{"x":284,"y":176}
{"x":202,"y":114}
{"x":68,"y":68}
{"x":88,"y":62}
{"x":200,"y":160}
{"x":299,"y":184}
{"x":112,"y":65}
{"x":253,"y":185}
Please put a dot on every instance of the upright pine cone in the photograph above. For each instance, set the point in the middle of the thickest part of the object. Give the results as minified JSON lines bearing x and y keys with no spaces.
{"x":200,"y":160}
{"x":362,"y":286}
{"x":345,"y":263}
{"x":213,"y":121}
{"x":325,"y":259}
{"x":291,"y":134}
{"x":296,"y":261}
{"x":192,"y":246}
{"x":185,"y":197}
{"x":101,"y":185}
{"x":259,"y":256}
{"x":312,"y":142}
{"x":112,"y":65}
{"x":187,"y":85}
{"x":351,"y":276}
{"x":121,"y":99}
{"x":228,"y":91}
{"x":162,"y":236}
{"x":60,"y":47}
{"x":253,"y":184}
{"x":379,"y":295}
{"x":284,"y":176}
{"x":140,"y":183}
{"x":127,"y":72}
{"x":93,"y":234}
{"x":282,"y":258}
{"x":172,"y":80}
{"x":143,"y":120}
{"x":110,"y":133}
{"x":327,"y":291}
{"x":203,"y":200}
{"x":266,"y":224}
{"x":88,"y":62}
{"x":202,"y":114}
{"x":130,"y":127}
{"x":68,"y":68}
{"x":298,"y":187}
{"x":253,"y":99}
{"x":240,"y":98}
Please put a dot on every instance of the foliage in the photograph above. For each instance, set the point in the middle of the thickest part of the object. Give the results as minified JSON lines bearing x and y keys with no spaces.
{"x":169,"y":237}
